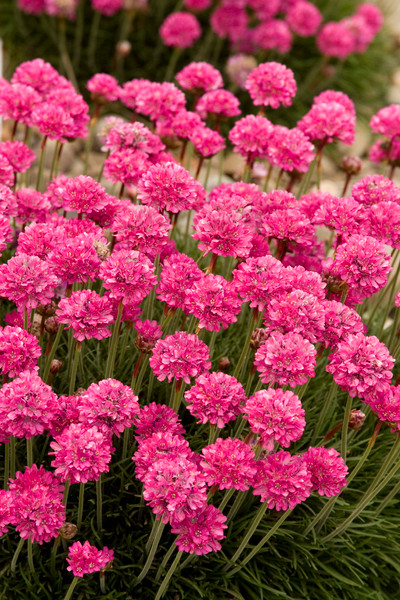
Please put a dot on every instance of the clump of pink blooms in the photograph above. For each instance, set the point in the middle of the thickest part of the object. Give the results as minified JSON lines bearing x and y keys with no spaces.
{"x":84,"y":558}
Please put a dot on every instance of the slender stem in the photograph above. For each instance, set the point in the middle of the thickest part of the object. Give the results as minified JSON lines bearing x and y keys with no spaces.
{"x":89,"y":142}
{"x":103,"y":582}
{"x":6,"y":464}
{"x":208,"y":171}
{"x":305,"y":184}
{"x":367,"y":498}
{"x":155,"y":527}
{"x":12,"y":456}
{"x":71,"y":588}
{"x":392,"y":494}
{"x":53,"y":556}
{"x":74,"y":369}
{"x":153,"y":550}
{"x":80,"y":504}
{"x":240,"y":498}
{"x":165,"y":560}
{"x":99,"y":504}
{"x":265,"y":539}
{"x":214,"y":431}
{"x":112,"y":348}
{"x":345,"y":429}
{"x":54,"y":159}
{"x":324,"y":411}
{"x":65,"y":59}
{"x":395,"y":329}
{"x":52,"y":353}
{"x":41,"y":162}
{"x":93,"y":40}
{"x":175,"y":54}
{"x":15,"y":557}
{"x":164,"y":586}
{"x":136,"y":383}
{"x":30,"y":557}
{"x":227,"y":496}
{"x":79,"y":34}
{"x":248,"y":535}
{"x":243,"y":357}
{"x":29,"y":451}
{"x":66,"y":493}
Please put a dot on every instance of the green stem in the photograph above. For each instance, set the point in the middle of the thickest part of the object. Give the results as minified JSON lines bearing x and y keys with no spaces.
{"x":240,"y":498}
{"x":112,"y":348}
{"x":164,"y":586}
{"x":89,"y":142}
{"x":324,"y":411}
{"x":53,"y":161}
{"x":227,"y":496}
{"x":65,"y":59}
{"x":153,"y":550}
{"x":212,"y":342}
{"x":16,"y":555}
{"x":94,"y":29}
{"x":395,"y":329}
{"x":74,"y":369}
{"x":66,"y":493}
{"x":6,"y":464}
{"x":165,"y":560}
{"x":12,"y":457}
{"x":305,"y":184}
{"x":53,"y":556}
{"x":178,"y":394}
{"x":155,"y":527}
{"x":345,"y":429}
{"x":52,"y":352}
{"x":265,"y":539}
{"x":99,"y":504}
{"x":208,"y":171}
{"x":371,"y":493}
{"x":213,"y":434}
{"x":243,"y":357}
{"x":80,"y":20}
{"x":80,"y":504}
{"x":29,"y":451}
{"x":175,"y":54}
{"x":248,"y":535}
{"x":71,"y":588}
{"x":392,"y":494}
{"x":30,"y":557}
{"x":41,"y":163}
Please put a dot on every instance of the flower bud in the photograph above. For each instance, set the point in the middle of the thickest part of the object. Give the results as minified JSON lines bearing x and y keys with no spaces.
{"x":224,"y":363}
{"x":123,"y":48}
{"x":258,"y":338}
{"x":351,"y":165}
{"x":51,"y":325}
{"x":46,"y":310}
{"x":55,"y":366}
{"x":356,"y":419}
{"x":68,"y":531}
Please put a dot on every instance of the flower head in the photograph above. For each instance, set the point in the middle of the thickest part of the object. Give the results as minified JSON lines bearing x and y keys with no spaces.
{"x":83,"y":559}
{"x":87,"y":314}
{"x":177,"y":277}
{"x":103,"y":87}
{"x":181,"y":355}
{"x":155,"y":418}
{"x":296,"y":312}
{"x":216,"y":398}
{"x":229,"y":463}
{"x":19,"y":351}
{"x":200,"y":532}
{"x":128,"y":275}
{"x":271,"y":84}
{"x":328,"y":470}
{"x":199,"y":76}
{"x":180,"y":29}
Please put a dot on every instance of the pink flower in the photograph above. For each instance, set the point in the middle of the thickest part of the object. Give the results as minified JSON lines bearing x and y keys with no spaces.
{"x":214,"y":301}
{"x":206,"y":141}
{"x":307,"y":281}
{"x":6,"y":233}
{"x":229,"y":463}
{"x":17,"y":101}
{"x":141,"y":228}
{"x":128,"y":275}
{"x":87,"y":314}
{"x":52,"y":121}
{"x":133,"y":135}
{"x":304,"y":18}
{"x":83,"y":194}
{"x":296,"y":312}
{"x":285,"y":359}
{"x":271,"y":84}
{"x":109,"y":405}
{"x":81,"y":454}
{"x":75,"y":259}
{"x":371,"y":14}
{"x":328,"y":122}
{"x":360,"y":365}
{"x":6,"y":510}
{"x":107,"y":7}
{"x":6,"y":171}
{"x":19,"y":351}
{"x":373,"y":189}
{"x":183,"y":122}
{"x":38,"y":509}
{"x":177,"y":276}
{"x":155,"y":418}
{"x":199,"y":76}
{"x":175,"y":488}
{"x":197,"y":5}
{"x":222,"y":232}
{"x":334,"y":96}
{"x":19,"y":155}
{"x":290,"y":149}
{"x":239,"y":67}
{"x":32,"y":7}
{"x":277,"y":416}
{"x":387,"y":121}
{"x":229,"y":21}
{"x":216,"y":398}
{"x":159,"y":100}
{"x":328,"y":470}
{"x":384,"y":223}
{"x":259,"y":279}
{"x":283,"y":481}
{"x":126,"y":166}
{"x":8,"y":202}
{"x":335,"y":39}
{"x":343,"y":215}
{"x":200,"y":532}
{"x":148,"y":332}
{"x":27,"y":281}
{"x":181,"y":355}
{"x":161,"y":444}
{"x":218,"y":102}
{"x":38,"y":74}
{"x":273,"y":34}
{"x":168,"y":186}
{"x":180,"y":30}
{"x":362,"y":263}
{"x":83,"y":559}
{"x":31,"y":206}
{"x":27,"y":406}
{"x":288,"y":225}
{"x":104,"y":88}
{"x":340,"y":322}
{"x":250,"y":137}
